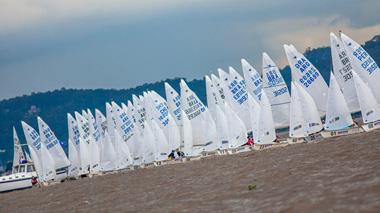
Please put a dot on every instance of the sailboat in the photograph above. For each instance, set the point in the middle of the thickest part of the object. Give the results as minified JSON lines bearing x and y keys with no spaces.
{"x":342,"y":68}
{"x":84,"y":144}
{"x":202,"y":125}
{"x":73,"y":143}
{"x":236,"y":95}
{"x":304,"y":116}
{"x":173,"y":101}
{"x":266,"y":134}
{"x":22,"y":170}
{"x":368,"y":104}
{"x":277,"y":92}
{"x":253,"y":80}
{"x":363,"y":64}
{"x":307,"y":76}
{"x":48,"y":138}
{"x":231,"y":131}
{"x":42,"y":159}
{"x":338,"y":117}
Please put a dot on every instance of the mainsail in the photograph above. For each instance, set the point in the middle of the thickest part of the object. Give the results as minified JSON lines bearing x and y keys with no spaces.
{"x":343,"y":72}
{"x":277,"y":92}
{"x":202,"y":124}
{"x":52,"y":144}
{"x":252,"y":79}
{"x":18,"y":154}
{"x":363,"y":64}
{"x":304,"y":73}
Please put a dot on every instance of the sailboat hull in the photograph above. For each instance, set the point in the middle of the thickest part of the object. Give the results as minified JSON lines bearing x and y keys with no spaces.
{"x":371,"y":126}
{"x":341,"y":132}
{"x":296,"y":140}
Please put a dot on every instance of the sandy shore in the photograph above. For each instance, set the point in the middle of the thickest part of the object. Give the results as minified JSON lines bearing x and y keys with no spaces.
{"x":335,"y":175}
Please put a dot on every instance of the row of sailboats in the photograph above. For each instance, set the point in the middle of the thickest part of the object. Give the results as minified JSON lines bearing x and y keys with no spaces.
{"x":146,"y":129}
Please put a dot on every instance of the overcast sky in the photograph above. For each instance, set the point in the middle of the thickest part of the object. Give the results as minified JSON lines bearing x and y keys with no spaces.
{"x":47,"y":44}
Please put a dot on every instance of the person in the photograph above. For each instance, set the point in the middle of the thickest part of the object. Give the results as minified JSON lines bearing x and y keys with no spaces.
{"x":34,"y":181}
{"x":180,"y":154}
{"x":171,"y":156}
{"x":250,"y":141}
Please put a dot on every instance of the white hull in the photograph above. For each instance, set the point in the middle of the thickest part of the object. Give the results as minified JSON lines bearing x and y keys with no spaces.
{"x":314,"y":138}
{"x":268,"y":146}
{"x":371,"y":126}
{"x":341,"y":132}
{"x":296,"y":140}
{"x":240,"y":149}
{"x":16,"y":181}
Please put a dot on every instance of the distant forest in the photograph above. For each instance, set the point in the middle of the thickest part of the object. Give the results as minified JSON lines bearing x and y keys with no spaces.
{"x":53,"y":106}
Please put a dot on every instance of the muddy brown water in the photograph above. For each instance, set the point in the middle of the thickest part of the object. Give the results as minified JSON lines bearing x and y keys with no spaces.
{"x":335,"y":175}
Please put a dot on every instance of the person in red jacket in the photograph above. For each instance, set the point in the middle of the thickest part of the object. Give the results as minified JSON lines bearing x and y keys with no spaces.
{"x":250,"y":141}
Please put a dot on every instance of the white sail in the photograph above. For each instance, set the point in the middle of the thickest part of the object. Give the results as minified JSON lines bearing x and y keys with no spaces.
{"x":252,"y":79}
{"x":343,"y":72}
{"x":148,"y":144}
{"x":52,"y":145}
{"x":187,"y":136}
{"x":95,"y":145}
{"x":236,"y":95}
{"x":266,"y":131}
{"x":101,"y":121}
{"x":160,"y":113}
{"x":74,"y":160}
{"x":123,"y":159}
{"x":84,"y":144}
{"x":277,"y":92}
{"x":216,"y":109}
{"x":304,"y":73}
{"x":42,"y":159}
{"x":111,"y":123}
{"x":222,"y":128}
{"x":108,"y":154}
{"x":212,"y":100}
{"x":297,"y":128}
{"x":338,"y":114}
{"x":162,"y":149}
{"x":254,"y":115}
{"x":18,"y":154}
{"x":236,"y":128}
{"x":218,"y":84}
{"x":363,"y":64}
{"x":139,"y":111}
{"x":368,"y":104}
{"x":202,"y":124}
{"x":310,"y":112}
{"x":125,"y":127}
{"x":74,"y":146}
